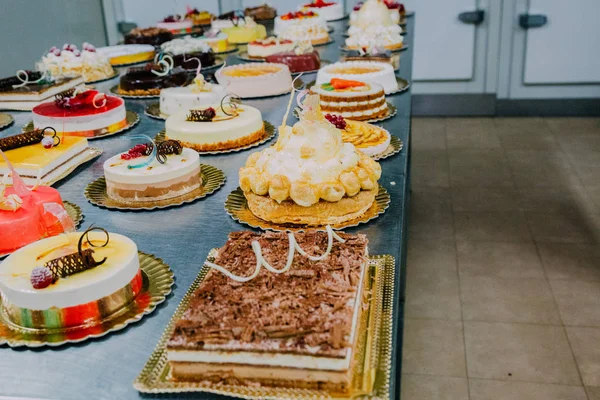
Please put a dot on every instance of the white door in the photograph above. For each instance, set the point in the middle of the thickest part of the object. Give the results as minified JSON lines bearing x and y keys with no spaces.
{"x":444,"y":47}
{"x":567,"y":48}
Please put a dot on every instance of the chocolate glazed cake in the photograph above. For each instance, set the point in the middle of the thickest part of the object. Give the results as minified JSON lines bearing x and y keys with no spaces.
{"x":153,"y":36}
{"x":261,"y":12}
{"x":142,"y":81}
{"x":296,"y":329}
{"x":186,"y":61}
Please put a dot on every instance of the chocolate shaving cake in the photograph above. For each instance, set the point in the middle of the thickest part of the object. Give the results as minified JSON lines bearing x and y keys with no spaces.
{"x":142,"y":81}
{"x":295,"y":329}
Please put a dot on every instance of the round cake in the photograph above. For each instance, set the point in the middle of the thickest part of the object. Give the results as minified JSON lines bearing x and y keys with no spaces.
{"x":370,"y":139}
{"x":185,"y":50}
{"x":176,"y":24}
{"x":374,"y":27}
{"x":80,"y":115}
{"x":220,"y":132}
{"x":309,"y":176}
{"x":266,"y":47}
{"x":363,"y":71}
{"x":84,"y":298}
{"x":352,"y":99}
{"x":309,"y":18}
{"x":70,"y":61}
{"x":153,"y":36}
{"x":128,"y":53}
{"x":197,"y":94}
{"x":177,"y":175}
{"x":245,"y":32}
{"x":142,"y":81}
{"x":256,"y":79}
{"x":199,"y":17}
{"x":328,"y":10}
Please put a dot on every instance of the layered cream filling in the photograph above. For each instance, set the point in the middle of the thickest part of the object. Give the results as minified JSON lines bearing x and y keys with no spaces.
{"x":351,"y":103}
{"x":248,"y":121}
{"x":371,"y":111}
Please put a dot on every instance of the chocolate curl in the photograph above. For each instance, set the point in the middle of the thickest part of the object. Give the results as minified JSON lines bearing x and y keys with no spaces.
{"x":167,"y":147}
{"x":25,"y":80}
{"x":22,"y":139}
{"x":167,"y":65}
{"x":233,"y":101}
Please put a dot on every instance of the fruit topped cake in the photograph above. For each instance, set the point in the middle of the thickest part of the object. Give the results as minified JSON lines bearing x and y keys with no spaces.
{"x":261,"y":12}
{"x":256,"y":79}
{"x":309,"y":176}
{"x":265,"y":47}
{"x":184,"y":50}
{"x":295,"y":18}
{"x":198,"y":17}
{"x":76,"y":279}
{"x":327,"y":9}
{"x":370,"y":139}
{"x":352,"y":99}
{"x":220,"y":126}
{"x":71,"y":62}
{"x":41,"y":155}
{"x":151,"y":172}
{"x":268,"y":316}
{"x":27,"y":214}
{"x":176,"y":24}
{"x":27,"y":89}
{"x":150,"y":79}
{"x":362,"y":71}
{"x":85,"y":113}
{"x":301,"y":59}
{"x":154,"y":36}
{"x":373,"y":26}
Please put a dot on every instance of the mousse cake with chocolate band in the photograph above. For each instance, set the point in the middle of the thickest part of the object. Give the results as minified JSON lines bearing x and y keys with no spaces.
{"x":352,"y":99}
{"x":184,"y":50}
{"x":40,"y":155}
{"x":152,"y":172}
{"x":265,"y":47}
{"x":71,"y":280}
{"x":26,"y":214}
{"x":154,"y":36}
{"x":218,"y":127}
{"x":257,"y":319}
{"x":82,"y":113}
{"x":309,"y":176}
{"x":27,"y":89}
{"x":150,"y":79}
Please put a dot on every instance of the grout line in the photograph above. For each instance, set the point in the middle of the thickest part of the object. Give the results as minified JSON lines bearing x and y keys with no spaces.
{"x":492,"y":379}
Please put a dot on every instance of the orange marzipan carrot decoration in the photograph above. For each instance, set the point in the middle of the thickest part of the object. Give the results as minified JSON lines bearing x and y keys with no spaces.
{"x":345,"y":83}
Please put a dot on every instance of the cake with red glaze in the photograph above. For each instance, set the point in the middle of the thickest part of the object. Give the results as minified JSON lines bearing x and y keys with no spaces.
{"x":176,"y":24}
{"x":303,"y":58}
{"x":87,"y":114}
{"x":102,"y":277}
{"x":327,"y":9}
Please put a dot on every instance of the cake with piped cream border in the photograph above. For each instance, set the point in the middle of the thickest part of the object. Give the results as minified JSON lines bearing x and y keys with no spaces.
{"x":363,"y":71}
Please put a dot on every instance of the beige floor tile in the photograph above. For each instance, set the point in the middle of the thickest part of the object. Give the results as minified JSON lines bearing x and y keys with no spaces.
{"x":531,"y":168}
{"x":507,"y":300}
{"x":427,"y":387}
{"x":529,"y":138}
{"x":428,"y":133}
{"x":472,"y":138}
{"x":481,"y":389}
{"x":566,"y":127}
{"x":431,"y":256}
{"x":584,"y":144}
{"x":585,"y":343}
{"x":430,"y":168}
{"x":499,"y":259}
{"x":431,"y":213}
{"x":433,"y":347}
{"x":578,"y":301}
{"x":593,"y":392}
{"x":483,"y":199}
{"x":521,"y":124}
{"x":491,"y":226}
{"x":555,"y":199}
{"x":479,"y":168}
{"x":571,"y":261}
{"x":532,"y":353}
{"x":587,"y":167}
{"x":432,"y":296}
{"x":562,"y":227}
{"x":593,"y":192}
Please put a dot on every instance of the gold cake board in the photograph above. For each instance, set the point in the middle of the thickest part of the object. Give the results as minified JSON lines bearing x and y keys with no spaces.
{"x":372,"y":358}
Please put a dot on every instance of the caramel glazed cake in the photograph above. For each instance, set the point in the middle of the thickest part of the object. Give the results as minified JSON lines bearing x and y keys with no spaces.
{"x":294,"y":325}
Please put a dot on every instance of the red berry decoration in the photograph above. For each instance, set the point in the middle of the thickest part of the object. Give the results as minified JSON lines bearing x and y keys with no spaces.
{"x":337,"y":120}
{"x":41,"y":277}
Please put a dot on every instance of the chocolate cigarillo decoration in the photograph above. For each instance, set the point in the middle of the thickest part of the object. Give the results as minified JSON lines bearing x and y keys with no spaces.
{"x":151,"y":150}
{"x":29,"y":138}
{"x":70,"y":264}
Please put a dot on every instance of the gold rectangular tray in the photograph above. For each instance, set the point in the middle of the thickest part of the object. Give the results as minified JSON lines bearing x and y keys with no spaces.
{"x":371,"y":376}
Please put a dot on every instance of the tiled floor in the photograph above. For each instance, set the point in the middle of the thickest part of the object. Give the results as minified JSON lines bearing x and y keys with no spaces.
{"x":503,"y":273}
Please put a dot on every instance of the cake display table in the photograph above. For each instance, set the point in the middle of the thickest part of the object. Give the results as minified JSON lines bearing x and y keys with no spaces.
{"x":105,"y":368}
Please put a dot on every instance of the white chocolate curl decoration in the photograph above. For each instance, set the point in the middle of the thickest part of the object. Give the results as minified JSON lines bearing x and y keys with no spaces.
{"x":25,"y":80}
{"x":99,"y":96}
{"x":293,"y":247}
{"x":12,"y":202}
{"x":167,"y":65}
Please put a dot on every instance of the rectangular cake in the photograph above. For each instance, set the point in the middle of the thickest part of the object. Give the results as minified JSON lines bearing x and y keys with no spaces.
{"x":25,"y":98}
{"x":296,"y":329}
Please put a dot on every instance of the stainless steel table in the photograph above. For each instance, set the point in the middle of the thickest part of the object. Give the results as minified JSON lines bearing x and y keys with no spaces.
{"x":105,"y":368}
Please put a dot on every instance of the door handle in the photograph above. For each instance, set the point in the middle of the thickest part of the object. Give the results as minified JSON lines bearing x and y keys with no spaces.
{"x":472,"y":17}
{"x":527,"y":21}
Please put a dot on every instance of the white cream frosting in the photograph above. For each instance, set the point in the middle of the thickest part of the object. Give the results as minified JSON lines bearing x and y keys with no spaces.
{"x":312,"y":32}
{"x":377,"y":36}
{"x":278,"y":81}
{"x":92,"y":65}
{"x":247,"y":122}
{"x":284,"y":24}
{"x":186,"y":44}
{"x":273,"y":46}
{"x":177,"y":165}
{"x":383,"y":73}
{"x":330,"y":13}
{"x":121,"y":266}
{"x":185,"y":98}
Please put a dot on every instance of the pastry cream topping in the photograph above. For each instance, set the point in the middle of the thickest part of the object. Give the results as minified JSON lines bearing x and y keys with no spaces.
{"x":363,"y":135}
{"x":255,"y":71}
{"x":308,"y":163}
{"x":354,"y":70}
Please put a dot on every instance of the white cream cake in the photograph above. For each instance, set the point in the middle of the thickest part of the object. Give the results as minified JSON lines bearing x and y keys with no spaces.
{"x":256,"y":79}
{"x":364,"y":71}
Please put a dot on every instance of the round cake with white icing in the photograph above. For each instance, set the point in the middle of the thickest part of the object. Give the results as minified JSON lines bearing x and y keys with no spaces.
{"x":363,"y":71}
{"x":298,"y":18}
{"x":211,"y":129}
{"x":139,"y":175}
{"x":328,"y":10}
{"x":82,"y":298}
{"x":198,"y":94}
{"x":256,"y":79}
{"x":266,"y":47}
{"x":352,"y":99}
